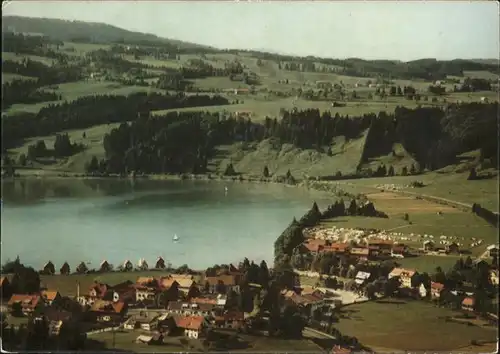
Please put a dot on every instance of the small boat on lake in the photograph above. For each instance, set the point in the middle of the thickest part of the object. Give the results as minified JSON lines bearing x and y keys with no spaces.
{"x":176,"y":238}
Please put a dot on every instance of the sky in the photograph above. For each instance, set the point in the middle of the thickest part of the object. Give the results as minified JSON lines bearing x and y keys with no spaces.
{"x":337,"y":29}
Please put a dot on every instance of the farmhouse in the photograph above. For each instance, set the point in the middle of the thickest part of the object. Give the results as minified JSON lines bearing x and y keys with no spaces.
{"x":336,"y":247}
{"x":399,"y":251}
{"x":98,"y":290}
{"x":146,"y":291}
{"x":436,"y":289}
{"x":468,"y":304}
{"x":108,"y":311}
{"x":234,"y":320}
{"x":28,"y":303}
{"x":381,"y":244}
{"x":50,"y":297}
{"x":56,"y":318}
{"x":222,"y":283}
{"x":362,"y":253}
{"x":405,"y":275}
{"x":314,"y":245}
{"x":192,"y":326}
{"x":144,"y":321}
{"x":191,"y":309}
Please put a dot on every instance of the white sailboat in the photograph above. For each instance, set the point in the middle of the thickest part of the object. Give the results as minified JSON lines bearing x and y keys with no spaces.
{"x":176,"y":238}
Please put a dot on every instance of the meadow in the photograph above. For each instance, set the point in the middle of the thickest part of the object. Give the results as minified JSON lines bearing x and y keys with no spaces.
{"x":410,"y":326}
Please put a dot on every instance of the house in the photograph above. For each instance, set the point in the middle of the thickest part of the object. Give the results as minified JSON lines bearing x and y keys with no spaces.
{"x":191,"y":309}
{"x":98,"y":290}
{"x":65,"y":269}
{"x":160,"y":263}
{"x":56,"y":318}
{"x":436,"y":289}
{"x":399,"y":251}
{"x":335,"y":247}
{"x":105,"y":266}
{"x":28,"y":303}
{"x":192,"y":326}
{"x":234,"y":320}
{"x":86,"y":300}
{"x":306,"y":303}
{"x":381,"y":244}
{"x":405,"y":275}
{"x":144,"y":321}
{"x":314,"y":245}
{"x":128,"y":266}
{"x":5,"y":288}
{"x":156,"y":338}
{"x":362,"y":277}
{"x":452,"y":248}
{"x":108,"y":311}
{"x":49,"y":268}
{"x":468,"y":304}
{"x":222,"y":284}
{"x":363,"y":253}
{"x":145,"y":293}
{"x":51,"y":297}
{"x":428,"y":245}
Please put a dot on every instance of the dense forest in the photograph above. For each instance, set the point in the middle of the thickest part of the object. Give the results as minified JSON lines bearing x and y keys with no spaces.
{"x":433,"y":136}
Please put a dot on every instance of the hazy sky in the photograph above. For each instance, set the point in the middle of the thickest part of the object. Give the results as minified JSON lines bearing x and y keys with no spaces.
{"x":364,"y":29}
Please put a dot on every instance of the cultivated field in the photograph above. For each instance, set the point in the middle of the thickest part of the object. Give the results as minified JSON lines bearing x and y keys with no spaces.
{"x":410,"y":326}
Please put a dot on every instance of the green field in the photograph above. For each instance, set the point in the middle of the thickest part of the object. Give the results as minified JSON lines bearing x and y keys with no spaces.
{"x":21,"y":57}
{"x":428,"y":264}
{"x":7,"y":77}
{"x":126,"y":341}
{"x":409,"y":326}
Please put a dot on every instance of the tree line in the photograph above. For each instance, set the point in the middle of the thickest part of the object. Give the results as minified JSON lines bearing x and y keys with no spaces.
{"x":88,"y":111}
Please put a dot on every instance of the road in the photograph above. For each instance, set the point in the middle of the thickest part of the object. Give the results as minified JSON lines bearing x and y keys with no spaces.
{"x":309,"y":332}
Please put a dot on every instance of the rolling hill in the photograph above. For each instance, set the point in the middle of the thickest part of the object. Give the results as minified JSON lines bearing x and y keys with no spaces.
{"x":89,"y":31}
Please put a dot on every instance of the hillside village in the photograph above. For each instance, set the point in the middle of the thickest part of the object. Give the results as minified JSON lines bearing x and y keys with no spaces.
{"x":96,"y":103}
{"x":200,"y":308}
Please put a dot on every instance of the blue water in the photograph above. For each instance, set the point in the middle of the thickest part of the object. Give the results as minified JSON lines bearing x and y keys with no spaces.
{"x":69,"y":220}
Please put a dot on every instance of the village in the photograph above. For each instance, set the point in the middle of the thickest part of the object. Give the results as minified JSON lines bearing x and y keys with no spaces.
{"x":347,"y":266}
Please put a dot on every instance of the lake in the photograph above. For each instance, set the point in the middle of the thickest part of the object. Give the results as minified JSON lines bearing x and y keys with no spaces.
{"x":91,"y":220}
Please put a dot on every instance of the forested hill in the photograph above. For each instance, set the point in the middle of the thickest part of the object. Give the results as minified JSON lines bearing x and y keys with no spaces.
{"x":84,"y":31}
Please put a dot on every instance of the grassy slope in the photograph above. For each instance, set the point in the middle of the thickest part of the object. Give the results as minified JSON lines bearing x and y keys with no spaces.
{"x":251,"y":158}
{"x":402,"y":326}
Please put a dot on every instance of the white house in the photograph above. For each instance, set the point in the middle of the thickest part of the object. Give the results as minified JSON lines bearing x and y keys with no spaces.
{"x":194,"y":326}
{"x":362,"y":277}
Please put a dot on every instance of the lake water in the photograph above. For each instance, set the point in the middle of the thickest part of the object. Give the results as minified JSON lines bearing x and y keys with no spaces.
{"x":91,"y":220}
